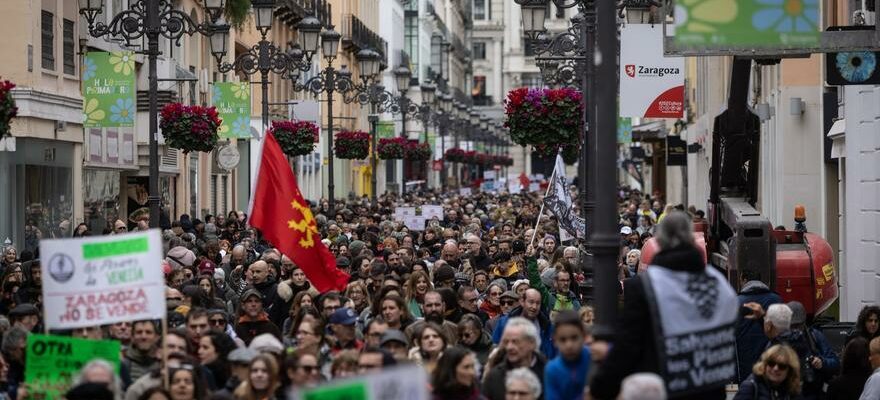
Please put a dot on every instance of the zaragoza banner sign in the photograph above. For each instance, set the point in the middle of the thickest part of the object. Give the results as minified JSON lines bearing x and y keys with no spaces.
{"x":233,"y":103}
{"x":651,"y":85}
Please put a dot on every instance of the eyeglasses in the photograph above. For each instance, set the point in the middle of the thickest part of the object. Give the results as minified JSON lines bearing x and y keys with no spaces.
{"x":494,"y":294}
{"x":508,"y":302}
{"x":779,"y":365}
{"x":218,"y":322}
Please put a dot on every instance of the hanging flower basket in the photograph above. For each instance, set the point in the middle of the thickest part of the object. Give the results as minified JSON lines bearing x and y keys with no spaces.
{"x":392,"y":149}
{"x":8,"y":110}
{"x":470,"y":157}
{"x":418,"y":152}
{"x":544,"y":118}
{"x":190,"y":128}
{"x":352,"y":145}
{"x":296,"y":138}
{"x":454,"y":155}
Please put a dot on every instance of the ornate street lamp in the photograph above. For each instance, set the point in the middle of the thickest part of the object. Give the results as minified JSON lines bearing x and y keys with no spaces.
{"x":150,"y":18}
{"x":580,"y":44}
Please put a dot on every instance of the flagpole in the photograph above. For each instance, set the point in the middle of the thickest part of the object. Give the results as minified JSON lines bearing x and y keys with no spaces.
{"x":541,"y":213}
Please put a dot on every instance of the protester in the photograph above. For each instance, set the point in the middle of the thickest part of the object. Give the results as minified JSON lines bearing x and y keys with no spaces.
{"x":872,"y":386}
{"x":750,"y":338}
{"x":855,"y":371}
{"x":455,"y":377}
{"x":867,"y":324}
{"x":776,"y":376}
{"x":566,"y":375}
{"x":522,"y":384}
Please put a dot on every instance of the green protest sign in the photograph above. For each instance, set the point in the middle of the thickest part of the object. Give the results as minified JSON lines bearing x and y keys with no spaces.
{"x":233,"y":103}
{"x":51,"y":362}
{"x":356,"y":390}
{"x":385,"y":129}
{"x":108,"y":89}
{"x":741,"y":23}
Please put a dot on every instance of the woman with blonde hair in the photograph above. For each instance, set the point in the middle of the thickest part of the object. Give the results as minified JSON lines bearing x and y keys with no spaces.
{"x":262,"y":379}
{"x":414,"y":292}
{"x":776,"y":376}
{"x":357,"y":292}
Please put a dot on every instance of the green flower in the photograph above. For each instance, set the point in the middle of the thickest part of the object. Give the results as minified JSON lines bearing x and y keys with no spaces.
{"x":92,"y":114}
{"x":122,"y":62}
{"x":241,"y":91}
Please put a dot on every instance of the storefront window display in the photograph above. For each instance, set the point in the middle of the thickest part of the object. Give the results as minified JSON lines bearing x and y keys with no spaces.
{"x":101,"y":198}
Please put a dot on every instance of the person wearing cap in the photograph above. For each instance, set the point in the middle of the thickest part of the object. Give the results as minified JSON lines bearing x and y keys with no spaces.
{"x":239,"y":366}
{"x":750,"y":338}
{"x":252,"y":319}
{"x":342,"y":325}
{"x":822,"y":359}
{"x":396,"y":343}
{"x":25,"y":315}
{"x":273,"y":304}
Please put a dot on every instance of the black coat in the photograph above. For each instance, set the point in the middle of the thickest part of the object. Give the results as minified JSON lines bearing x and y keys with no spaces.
{"x":634,"y":349}
{"x":755,"y":388}
{"x":495,"y":387}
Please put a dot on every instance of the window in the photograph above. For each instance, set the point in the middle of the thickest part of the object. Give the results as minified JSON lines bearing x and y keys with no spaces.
{"x":69,"y":49}
{"x":532,"y":80}
{"x":411,"y":40}
{"x":481,"y":9}
{"x":479,"y":50}
{"x":47,"y":40}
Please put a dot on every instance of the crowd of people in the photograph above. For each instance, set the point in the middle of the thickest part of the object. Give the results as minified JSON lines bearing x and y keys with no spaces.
{"x":486,"y":300}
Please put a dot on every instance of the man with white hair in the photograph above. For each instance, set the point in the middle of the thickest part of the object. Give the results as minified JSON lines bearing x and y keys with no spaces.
{"x":520,"y":342}
{"x":522,"y":384}
{"x":643,"y":386}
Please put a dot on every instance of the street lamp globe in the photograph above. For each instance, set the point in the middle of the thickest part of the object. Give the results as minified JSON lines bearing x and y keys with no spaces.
{"x":402,"y":77}
{"x":368,"y":63}
{"x":263,"y":13}
{"x":91,"y":5}
{"x":330,"y":43}
{"x":429,"y":93}
{"x":213,"y":7}
{"x":309,"y":29}
{"x":446,"y":103}
{"x":475,"y":118}
{"x":219,"y":39}
{"x":484,"y":122}
{"x":533,"y":16}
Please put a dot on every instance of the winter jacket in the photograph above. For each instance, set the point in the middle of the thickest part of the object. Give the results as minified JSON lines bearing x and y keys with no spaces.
{"x":544,"y":327}
{"x":809,"y":345}
{"x":465,"y":394}
{"x":549,"y":298}
{"x":755,"y":388}
{"x":139,"y":363}
{"x":247,"y":329}
{"x":495,"y":385}
{"x":750,"y":338}
{"x":565,"y":380}
{"x":634,"y":348}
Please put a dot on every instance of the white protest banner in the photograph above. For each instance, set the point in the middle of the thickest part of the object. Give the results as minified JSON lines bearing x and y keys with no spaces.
{"x":514,"y":187}
{"x":399,"y":383}
{"x":401,"y":213}
{"x":489,"y":175}
{"x":415,"y":222}
{"x":651,"y":85}
{"x":432,"y":211}
{"x":534,"y":187}
{"x":466,"y":191}
{"x":102,"y":280}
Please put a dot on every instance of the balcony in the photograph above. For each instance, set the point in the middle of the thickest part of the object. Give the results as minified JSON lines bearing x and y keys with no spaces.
{"x":292,"y":11}
{"x":356,"y":36}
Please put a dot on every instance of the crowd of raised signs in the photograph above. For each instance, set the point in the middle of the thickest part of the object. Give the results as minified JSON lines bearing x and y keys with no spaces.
{"x":485,"y":299}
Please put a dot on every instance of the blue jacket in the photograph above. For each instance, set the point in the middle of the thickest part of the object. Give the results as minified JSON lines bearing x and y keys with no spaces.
{"x":750,"y":338}
{"x":545,"y":329}
{"x":564,"y":380}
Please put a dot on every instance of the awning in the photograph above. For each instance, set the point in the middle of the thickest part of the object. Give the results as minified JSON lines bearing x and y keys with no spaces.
{"x":837,"y":134}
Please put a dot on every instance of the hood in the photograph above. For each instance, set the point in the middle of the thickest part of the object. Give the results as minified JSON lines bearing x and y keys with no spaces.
{"x":682,"y":258}
{"x":754,"y":287}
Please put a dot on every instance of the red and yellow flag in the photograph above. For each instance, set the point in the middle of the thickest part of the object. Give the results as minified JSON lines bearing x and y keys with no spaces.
{"x":283,"y":216}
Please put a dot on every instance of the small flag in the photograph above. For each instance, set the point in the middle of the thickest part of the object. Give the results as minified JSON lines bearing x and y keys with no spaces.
{"x":558,"y":201}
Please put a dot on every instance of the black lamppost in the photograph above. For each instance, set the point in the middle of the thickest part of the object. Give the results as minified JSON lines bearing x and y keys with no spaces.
{"x":402,"y":77}
{"x":265,"y":57}
{"x":150,"y":18}
{"x":446,"y":118}
{"x":601,"y":97}
{"x":328,"y":80}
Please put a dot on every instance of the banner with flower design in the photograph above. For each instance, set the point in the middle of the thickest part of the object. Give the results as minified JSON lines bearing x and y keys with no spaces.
{"x":108,"y":89}
{"x":721,"y":24}
{"x":233,"y":103}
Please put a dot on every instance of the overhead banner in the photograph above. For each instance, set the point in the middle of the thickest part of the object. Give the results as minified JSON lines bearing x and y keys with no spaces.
{"x":51,"y":362}
{"x":624,"y":130}
{"x":746,"y":23}
{"x":233,"y":103}
{"x":102,"y":280}
{"x":108,"y":89}
{"x":651,"y":85}
{"x":385,"y":129}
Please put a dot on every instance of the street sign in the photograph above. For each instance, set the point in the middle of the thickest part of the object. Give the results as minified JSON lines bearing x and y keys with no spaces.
{"x":651,"y":85}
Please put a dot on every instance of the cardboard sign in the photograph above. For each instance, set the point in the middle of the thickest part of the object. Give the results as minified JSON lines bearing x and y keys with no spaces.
{"x":401,"y":213}
{"x":51,"y":362}
{"x":432,"y":211}
{"x":400,"y":383}
{"x":415,"y":222}
{"x":102,"y":280}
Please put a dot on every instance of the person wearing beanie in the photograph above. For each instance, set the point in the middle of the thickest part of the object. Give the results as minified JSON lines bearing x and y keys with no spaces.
{"x":180,"y":257}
